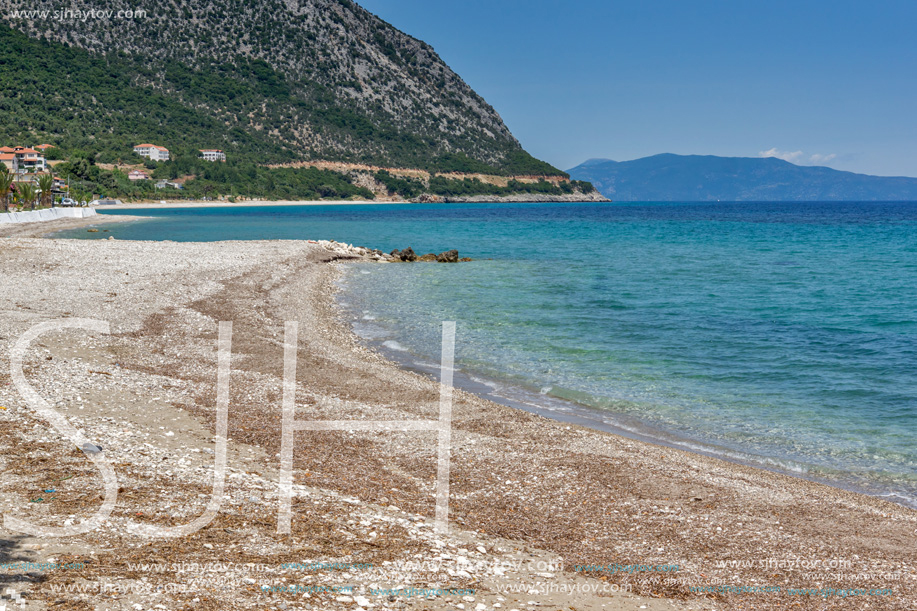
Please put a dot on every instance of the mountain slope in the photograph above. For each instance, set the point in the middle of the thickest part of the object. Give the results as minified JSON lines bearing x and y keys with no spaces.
{"x":669,"y":177}
{"x":285,"y":80}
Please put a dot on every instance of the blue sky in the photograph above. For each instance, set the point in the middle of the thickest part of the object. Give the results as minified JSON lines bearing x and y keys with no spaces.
{"x":825,"y":83}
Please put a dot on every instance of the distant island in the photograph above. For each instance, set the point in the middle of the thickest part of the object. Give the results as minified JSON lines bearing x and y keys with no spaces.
{"x":670,"y":177}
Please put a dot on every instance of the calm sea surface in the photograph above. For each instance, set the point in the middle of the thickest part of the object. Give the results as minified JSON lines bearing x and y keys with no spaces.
{"x":783,"y":335}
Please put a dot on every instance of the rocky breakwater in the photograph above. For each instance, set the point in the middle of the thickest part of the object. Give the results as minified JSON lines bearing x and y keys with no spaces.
{"x":409,"y":256}
{"x":348,"y":251}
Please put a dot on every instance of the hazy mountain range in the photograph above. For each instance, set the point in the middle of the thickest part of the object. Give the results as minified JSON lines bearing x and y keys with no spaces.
{"x":670,"y":177}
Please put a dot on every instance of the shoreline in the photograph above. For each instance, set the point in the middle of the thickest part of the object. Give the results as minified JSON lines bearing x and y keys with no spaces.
{"x":580,"y":415}
{"x":595,"y":419}
{"x":48,"y":229}
{"x":520,"y":483}
{"x":345,"y":202}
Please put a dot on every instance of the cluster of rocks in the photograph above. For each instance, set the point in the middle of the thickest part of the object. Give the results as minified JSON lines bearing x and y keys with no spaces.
{"x":408,"y":255}
{"x":396,"y":256}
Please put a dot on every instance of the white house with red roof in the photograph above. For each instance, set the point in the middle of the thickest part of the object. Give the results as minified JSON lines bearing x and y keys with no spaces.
{"x":23,"y":159}
{"x":152,"y":151}
{"x":137,"y":175}
{"x":29,"y":160}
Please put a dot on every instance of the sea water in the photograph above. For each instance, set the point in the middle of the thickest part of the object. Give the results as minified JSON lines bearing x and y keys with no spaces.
{"x":777,"y":334}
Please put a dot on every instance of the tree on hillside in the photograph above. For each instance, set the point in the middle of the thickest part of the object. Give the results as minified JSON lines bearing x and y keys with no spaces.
{"x":6,"y":184}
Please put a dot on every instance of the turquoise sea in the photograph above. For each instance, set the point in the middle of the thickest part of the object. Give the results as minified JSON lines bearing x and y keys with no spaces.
{"x":777,"y":334}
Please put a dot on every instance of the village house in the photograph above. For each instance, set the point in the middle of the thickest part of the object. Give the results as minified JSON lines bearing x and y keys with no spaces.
{"x":213,"y":155}
{"x":26,"y":159}
{"x":152,"y":151}
{"x":9,"y":160}
{"x":137,"y":175}
{"x":168,"y":184}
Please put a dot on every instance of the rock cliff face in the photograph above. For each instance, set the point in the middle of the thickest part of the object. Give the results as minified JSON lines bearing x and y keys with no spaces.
{"x":325,"y":79}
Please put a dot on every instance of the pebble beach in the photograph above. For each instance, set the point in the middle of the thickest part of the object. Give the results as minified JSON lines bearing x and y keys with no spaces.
{"x":543,"y":514}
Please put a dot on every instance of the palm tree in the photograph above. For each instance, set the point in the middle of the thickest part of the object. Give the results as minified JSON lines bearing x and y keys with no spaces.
{"x":6,"y":184}
{"x":27,"y":193}
{"x":45,"y":185}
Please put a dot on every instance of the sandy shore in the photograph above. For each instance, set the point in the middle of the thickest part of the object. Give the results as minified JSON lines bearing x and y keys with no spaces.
{"x":532,"y":499}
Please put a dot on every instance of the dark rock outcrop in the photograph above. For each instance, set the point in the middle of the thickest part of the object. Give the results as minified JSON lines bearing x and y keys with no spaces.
{"x":450,"y":256}
{"x":407,"y":254}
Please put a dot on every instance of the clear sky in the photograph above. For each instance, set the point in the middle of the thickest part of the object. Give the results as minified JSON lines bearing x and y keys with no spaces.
{"x":827,"y":83}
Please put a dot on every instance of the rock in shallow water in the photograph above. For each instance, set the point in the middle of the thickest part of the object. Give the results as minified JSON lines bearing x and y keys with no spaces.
{"x":450,"y":256}
{"x":407,"y":254}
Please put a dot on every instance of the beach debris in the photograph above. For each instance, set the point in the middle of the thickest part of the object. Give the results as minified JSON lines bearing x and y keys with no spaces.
{"x":90,"y":448}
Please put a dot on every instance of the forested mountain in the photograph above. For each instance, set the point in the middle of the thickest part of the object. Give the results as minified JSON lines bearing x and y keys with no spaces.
{"x":268,"y":81}
{"x":670,"y":177}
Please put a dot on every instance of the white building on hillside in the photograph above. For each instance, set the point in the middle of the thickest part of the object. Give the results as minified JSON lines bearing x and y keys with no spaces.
{"x":213,"y":155}
{"x":154,"y":152}
{"x":27,"y":159}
